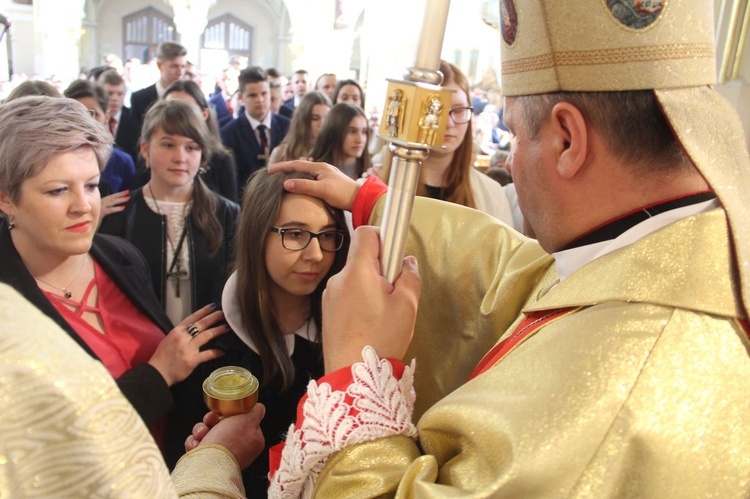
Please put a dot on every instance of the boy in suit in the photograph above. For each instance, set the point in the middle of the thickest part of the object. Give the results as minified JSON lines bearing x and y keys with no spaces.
{"x":257,"y":131}
{"x":123,"y":125}
{"x":171,"y":59}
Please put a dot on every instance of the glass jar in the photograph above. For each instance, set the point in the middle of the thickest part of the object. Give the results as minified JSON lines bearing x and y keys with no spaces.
{"x":230,"y":390}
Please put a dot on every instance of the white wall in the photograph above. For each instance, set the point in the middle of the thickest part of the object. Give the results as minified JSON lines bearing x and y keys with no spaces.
{"x":104,"y":31}
{"x":21,"y":36}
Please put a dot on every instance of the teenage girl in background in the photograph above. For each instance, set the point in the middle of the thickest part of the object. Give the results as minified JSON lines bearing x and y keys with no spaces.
{"x":343,"y":140}
{"x":184,"y":229}
{"x":449,"y":174}
{"x":304,"y":129}
{"x":220,"y":173}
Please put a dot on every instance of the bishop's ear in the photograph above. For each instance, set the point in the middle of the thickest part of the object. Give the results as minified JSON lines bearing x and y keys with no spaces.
{"x":572,"y":136}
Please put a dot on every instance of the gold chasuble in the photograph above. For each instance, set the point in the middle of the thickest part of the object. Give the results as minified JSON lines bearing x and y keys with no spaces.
{"x":636,"y":383}
{"x":640,"y":392}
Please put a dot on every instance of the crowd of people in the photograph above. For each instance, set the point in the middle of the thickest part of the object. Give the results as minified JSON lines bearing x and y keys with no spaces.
{"x":577,"y":327}
{"x":245,"y":98}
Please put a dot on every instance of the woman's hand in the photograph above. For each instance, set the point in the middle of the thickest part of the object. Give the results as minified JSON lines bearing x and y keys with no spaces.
{"x":179,"y":352}
{"x":331,"y":184}
{"x":240,"y":434}
{"x":113,"y":203}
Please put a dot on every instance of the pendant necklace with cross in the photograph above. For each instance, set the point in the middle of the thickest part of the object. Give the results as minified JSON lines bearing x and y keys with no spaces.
{"x":176,"y":271}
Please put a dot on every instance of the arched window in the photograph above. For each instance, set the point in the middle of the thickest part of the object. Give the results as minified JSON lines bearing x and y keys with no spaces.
{"x":143,"y":31}
{"x":229,"y":35}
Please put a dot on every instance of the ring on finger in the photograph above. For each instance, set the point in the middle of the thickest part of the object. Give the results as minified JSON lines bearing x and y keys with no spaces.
{"x":192,"y":329}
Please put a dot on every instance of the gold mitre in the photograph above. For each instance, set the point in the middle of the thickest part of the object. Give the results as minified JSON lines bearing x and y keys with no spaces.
{"x":664,"y":45}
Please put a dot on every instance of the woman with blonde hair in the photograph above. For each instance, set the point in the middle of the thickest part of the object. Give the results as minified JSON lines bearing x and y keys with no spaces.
{"x":448,"y":173}
{"x":304,"y":129}
{"x":95,"y":287}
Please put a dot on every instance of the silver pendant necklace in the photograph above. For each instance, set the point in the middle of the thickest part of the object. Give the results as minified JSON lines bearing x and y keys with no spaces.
{"x":66,"y":291}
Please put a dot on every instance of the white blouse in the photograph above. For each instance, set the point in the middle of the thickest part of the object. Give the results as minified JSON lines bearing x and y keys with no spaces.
{"x":176,"y":307}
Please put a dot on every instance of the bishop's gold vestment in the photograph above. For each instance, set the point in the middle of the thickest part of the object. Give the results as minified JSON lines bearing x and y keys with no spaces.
{"x":643,"y":392}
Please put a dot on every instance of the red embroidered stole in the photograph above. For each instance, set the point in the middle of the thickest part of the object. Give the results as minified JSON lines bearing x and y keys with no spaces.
{"x":526,"y":328}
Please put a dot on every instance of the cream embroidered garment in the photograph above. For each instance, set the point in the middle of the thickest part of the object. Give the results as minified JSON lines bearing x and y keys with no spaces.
{"x":67,"y":431}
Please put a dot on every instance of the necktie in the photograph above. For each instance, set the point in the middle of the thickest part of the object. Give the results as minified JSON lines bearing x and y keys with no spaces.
{"x":263,"y":138}
{"x":112,"y":125}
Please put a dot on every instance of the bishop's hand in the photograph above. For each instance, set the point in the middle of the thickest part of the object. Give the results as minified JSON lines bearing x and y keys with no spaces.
{"x":331,"y":184}
{"x":361,"y":308}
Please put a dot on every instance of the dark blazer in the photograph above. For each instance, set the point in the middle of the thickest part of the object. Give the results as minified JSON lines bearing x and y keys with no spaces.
{"x":143,"y":386}
{"x":129,"y":133}
{"x":219,"y":105}
{"x":287,"y":108}
{"x":221,"y":176}
{"x":141,"y":100}
{"x":239,"y":136}
{"x":148,"y":232}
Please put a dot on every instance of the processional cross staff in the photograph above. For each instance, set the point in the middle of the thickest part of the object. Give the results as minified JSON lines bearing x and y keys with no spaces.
{"x":419,"y":92}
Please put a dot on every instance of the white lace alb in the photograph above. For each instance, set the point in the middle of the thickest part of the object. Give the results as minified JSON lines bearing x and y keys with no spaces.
{"x":375,"y":405}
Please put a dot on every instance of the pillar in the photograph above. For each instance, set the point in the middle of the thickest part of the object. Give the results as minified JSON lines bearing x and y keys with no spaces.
{"x":57,"y":35}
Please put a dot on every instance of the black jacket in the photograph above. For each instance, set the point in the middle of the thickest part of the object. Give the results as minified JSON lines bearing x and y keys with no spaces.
{"x":143,"y":386}
{"x":221,"y":176}
{"x":128,"y":134}
{"x":287,"y":108}
{"x":148,"y":232}
{"x":141,"y":100}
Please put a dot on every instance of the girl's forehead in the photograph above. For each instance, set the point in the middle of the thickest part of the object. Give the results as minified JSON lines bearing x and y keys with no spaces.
{"x":357,"y":119}
{"x":161,"y":133}
{"x":301,"y":208}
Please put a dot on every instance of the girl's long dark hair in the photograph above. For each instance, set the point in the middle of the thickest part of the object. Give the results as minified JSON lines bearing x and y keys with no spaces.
{"x":260,"y":206}
{"x":299,"y":141}
{"x":330,"y":142}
